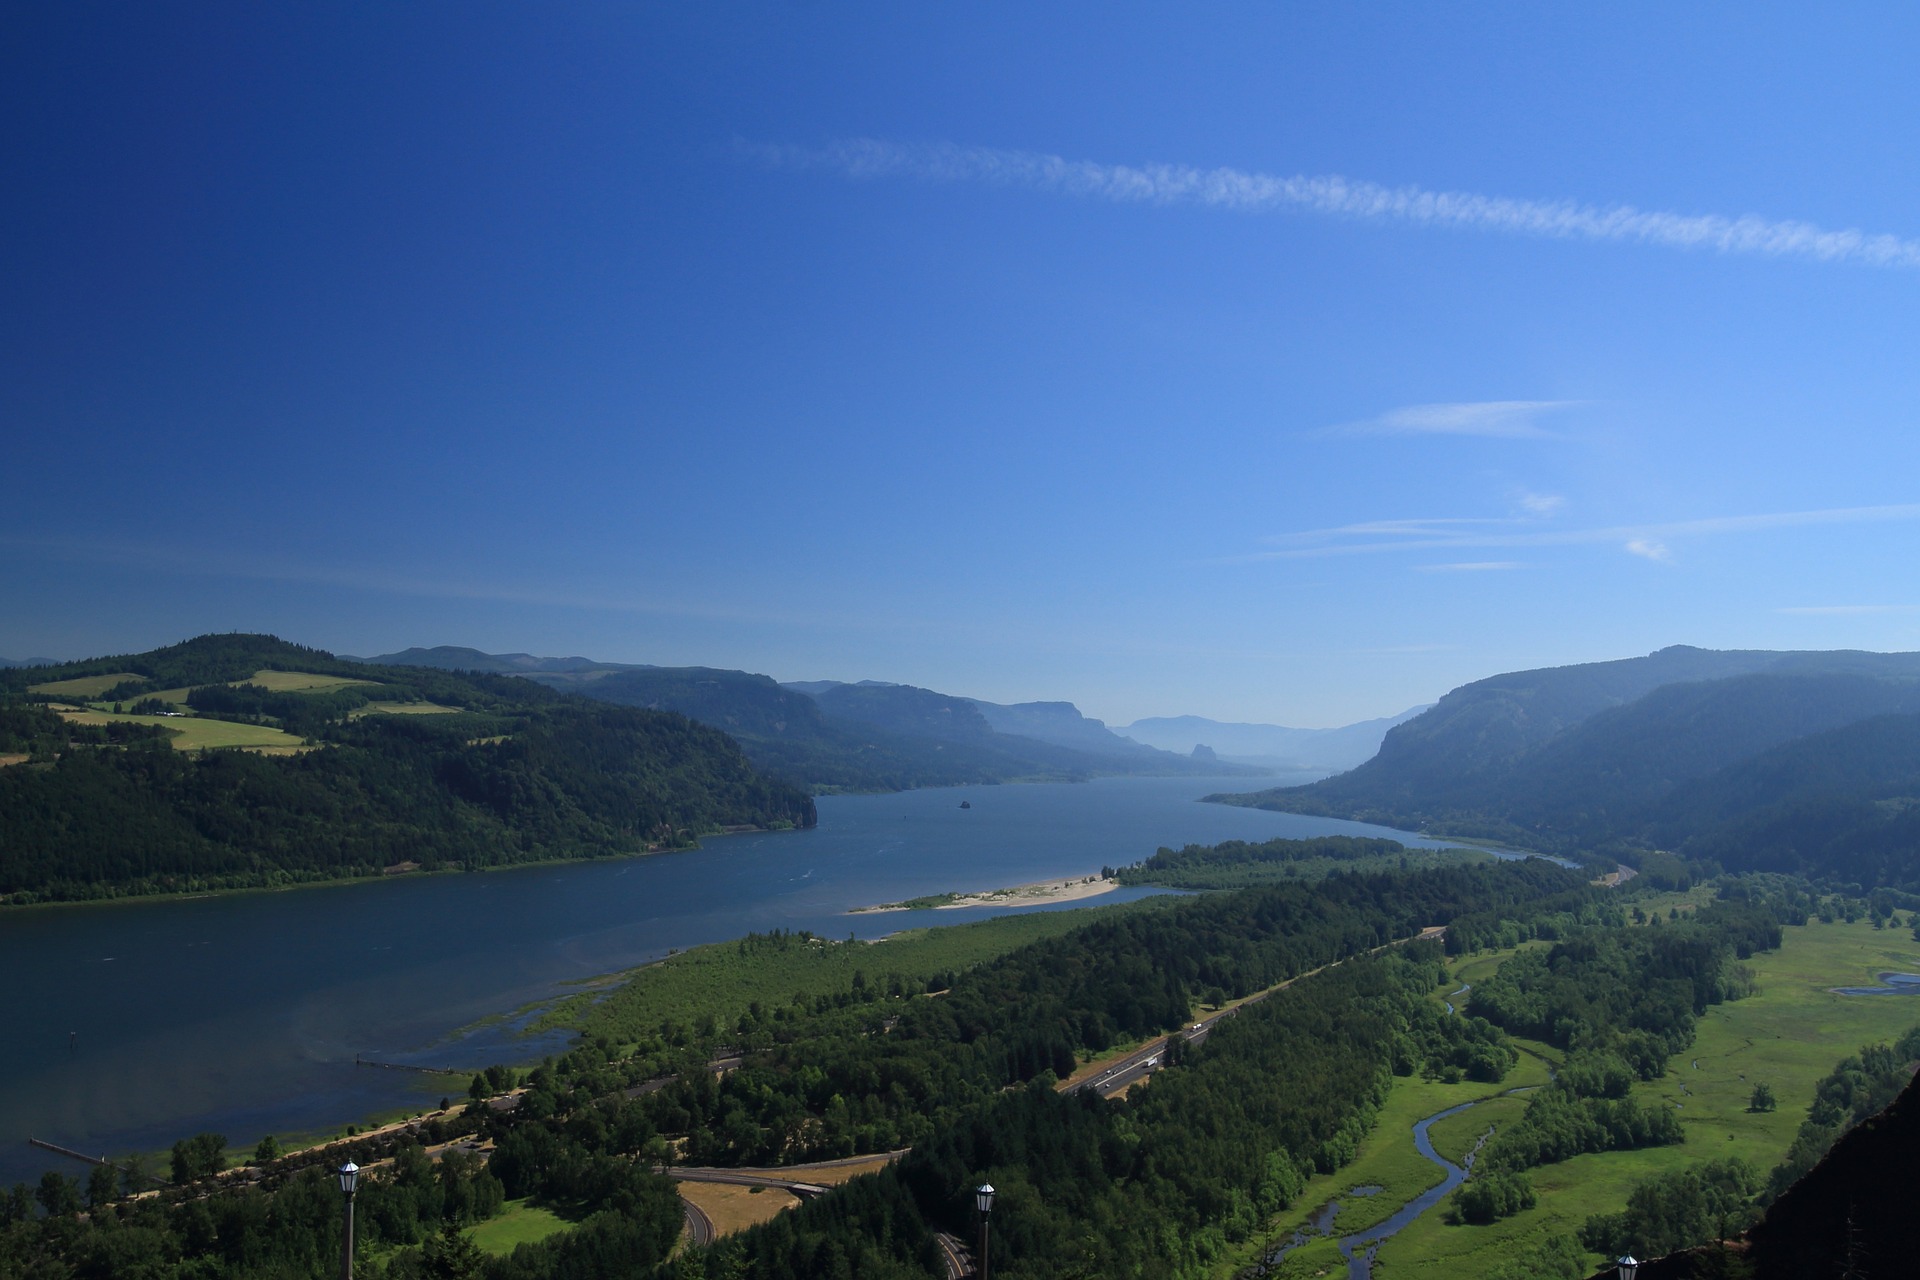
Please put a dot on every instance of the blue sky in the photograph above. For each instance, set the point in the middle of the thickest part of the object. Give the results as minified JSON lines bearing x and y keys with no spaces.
{"x":1287,"y":363}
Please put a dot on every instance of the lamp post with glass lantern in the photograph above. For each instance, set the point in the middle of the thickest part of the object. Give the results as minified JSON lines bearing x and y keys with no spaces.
{"x":349,"y":1183}
{"x":983,"y":1201}
{"x":1628,"y":1265}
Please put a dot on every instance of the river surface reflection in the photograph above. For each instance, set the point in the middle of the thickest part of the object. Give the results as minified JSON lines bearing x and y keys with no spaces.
{"x":130,"y":1025}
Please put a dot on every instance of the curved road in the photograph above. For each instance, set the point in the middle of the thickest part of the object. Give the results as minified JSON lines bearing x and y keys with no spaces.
{"x":699,"y":1225}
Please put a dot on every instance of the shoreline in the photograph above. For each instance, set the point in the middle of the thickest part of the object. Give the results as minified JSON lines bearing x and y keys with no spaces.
{"x":1067,"y":889}
{"x":381,"y":877}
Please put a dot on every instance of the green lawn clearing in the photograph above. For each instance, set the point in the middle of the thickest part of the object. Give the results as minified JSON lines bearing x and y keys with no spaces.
{"x":303,"y":682}
{"x":517,"y":1223}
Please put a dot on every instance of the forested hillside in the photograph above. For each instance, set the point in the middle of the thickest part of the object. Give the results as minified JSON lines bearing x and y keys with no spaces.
{"x":1802,"y":762}
{"x":386,"y":766}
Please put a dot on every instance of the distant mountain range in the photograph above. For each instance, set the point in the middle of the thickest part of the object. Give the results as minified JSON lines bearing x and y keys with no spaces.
{"x":29,"y":662}
{"x":1272,"y":745}
{"x":1805,"y":762}
{"x":453,"y":657}
{"x":829,"y":735}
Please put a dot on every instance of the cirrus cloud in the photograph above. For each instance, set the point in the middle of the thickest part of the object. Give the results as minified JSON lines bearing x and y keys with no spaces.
{"x":1239,"y":191}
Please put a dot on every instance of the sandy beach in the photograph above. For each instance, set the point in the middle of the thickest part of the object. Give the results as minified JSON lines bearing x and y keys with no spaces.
{"x":1072,"y":889}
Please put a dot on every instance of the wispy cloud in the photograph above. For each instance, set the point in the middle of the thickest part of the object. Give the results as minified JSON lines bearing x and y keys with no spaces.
{"x":1239,"y":191}
{"x":1653,"y":541}
{"x":1500,"y":419}
{"x":1649,"y":549}
{"x":1540,"y":504}
{"x":1469,"y":566}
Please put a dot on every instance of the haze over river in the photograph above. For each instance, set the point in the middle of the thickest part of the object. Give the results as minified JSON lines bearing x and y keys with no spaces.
{"x":243,"y":1014}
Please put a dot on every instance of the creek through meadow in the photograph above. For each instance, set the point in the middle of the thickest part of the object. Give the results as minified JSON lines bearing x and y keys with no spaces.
{"x":133,"y":1024}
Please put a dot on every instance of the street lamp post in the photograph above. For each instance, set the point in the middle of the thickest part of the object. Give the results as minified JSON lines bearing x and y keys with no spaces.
{"x":349,"y":1183}
{"x":983,"y":1201}
{"x":1628,"y":1266}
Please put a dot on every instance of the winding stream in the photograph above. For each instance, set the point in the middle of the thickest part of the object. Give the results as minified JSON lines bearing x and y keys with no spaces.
{"x":1360,"y":1247}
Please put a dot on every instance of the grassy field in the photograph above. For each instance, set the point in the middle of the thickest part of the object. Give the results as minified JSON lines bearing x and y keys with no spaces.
{"x":517,"y":1223}
{"x":178,"y":697}
{"x":1455,"y":1136}
{"x":737,"y":1208}
{"x":402,"y":709}
{"x":84,"y":686}
{"x":721,"y":980}
{"x":303,"y":682}
{"x":194,"y":734}
{"x":1789,"y":1035}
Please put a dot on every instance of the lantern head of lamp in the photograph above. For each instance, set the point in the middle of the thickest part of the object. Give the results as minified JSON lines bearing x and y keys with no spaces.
{"x":1628,"y":1265}
{"x":349,"y":1178}
{"x":983,"y":1198}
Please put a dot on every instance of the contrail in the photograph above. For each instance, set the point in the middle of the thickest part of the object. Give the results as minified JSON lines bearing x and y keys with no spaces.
{"x":1242,"y":192}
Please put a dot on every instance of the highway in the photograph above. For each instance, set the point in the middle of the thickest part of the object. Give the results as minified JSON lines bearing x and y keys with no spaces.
{"x":1120,"y":1075}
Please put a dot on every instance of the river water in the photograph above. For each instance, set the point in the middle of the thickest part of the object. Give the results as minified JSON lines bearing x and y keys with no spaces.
{"x":130,"y":1025}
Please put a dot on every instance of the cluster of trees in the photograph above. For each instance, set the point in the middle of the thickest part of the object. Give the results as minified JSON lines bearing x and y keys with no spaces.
{"x":1621,"y":1002}
{"x":1674,"y":1211}
{"x":522,"y":774}
{"x":306,"y":713}
{"x":32,"y":730}
{"x":287,"y":1224}
{"x":1491,"y":1196}
{"x":1237,"y":863}
{"x":1632,"y":994}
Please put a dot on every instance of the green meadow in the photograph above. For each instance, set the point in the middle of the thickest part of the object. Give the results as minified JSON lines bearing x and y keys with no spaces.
{"x":304,"y":682}
{"x":722,"y":980}
{"x":1789,"y":1034}
{"x":518,"y":1222}
{"x":401,"y":709}
{"x":83,"y":686}
{"x":190,"y":733}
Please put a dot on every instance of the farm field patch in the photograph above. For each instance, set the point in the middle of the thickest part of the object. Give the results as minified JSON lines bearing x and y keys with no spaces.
{"x":82,"y":686}
{"x":737,"y":1208}
{"x":304,"y":682}
{"x":194,"y":734}
{"x":402,"y":709}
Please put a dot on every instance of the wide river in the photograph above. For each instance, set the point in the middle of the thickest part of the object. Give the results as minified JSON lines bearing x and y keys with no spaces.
{"x":130,"y":1025}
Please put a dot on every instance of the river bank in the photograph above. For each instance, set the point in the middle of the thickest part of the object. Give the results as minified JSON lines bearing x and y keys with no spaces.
{"x":1044,"y":892}
{"x":242,"y":1013}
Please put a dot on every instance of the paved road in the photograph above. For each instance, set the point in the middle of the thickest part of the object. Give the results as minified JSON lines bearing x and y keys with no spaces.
{"x":954,"y":1254}
{"x":699,"y":1225}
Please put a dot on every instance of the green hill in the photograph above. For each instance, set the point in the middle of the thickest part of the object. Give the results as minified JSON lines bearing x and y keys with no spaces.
{"x":1618,"y":757}
{"x":505,"y":771}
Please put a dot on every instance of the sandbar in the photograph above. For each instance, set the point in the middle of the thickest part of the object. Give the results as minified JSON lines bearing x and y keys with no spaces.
{"x":1071,"y":889}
